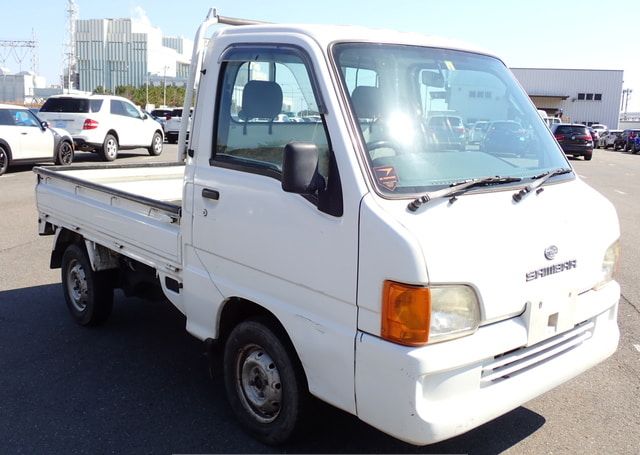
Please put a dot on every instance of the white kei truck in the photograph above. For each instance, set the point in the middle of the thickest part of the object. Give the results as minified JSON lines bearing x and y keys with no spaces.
{"x":362,"y":257}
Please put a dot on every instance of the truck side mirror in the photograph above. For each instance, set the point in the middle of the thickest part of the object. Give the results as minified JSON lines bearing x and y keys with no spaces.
{"x":300,"y":168}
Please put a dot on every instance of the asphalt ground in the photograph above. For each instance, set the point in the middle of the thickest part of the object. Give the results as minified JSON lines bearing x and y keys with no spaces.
{"x":141,"y":384}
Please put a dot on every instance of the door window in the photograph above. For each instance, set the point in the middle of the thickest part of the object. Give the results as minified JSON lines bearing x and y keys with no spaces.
{"x":25,"y":118}
{"x":265,"y":103}
{"x":124,"y":109}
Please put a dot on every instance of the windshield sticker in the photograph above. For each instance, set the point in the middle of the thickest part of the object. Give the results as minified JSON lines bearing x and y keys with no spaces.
{"x":449,"y":65}
{"x":387,"y":177}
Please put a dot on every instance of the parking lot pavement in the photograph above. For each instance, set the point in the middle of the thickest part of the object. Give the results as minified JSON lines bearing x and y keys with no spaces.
{"x":141,"y":383}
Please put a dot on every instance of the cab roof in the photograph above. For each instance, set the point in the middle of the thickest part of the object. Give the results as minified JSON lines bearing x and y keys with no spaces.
{"x":325,"y":35}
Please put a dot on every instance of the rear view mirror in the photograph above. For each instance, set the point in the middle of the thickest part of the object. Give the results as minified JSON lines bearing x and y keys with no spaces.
{"x":44,"y":125}
{"x":300,"y":168}
{"x":432,"y":79}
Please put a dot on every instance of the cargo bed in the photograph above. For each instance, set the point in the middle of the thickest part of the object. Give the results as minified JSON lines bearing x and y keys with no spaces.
{"x":133,"y":209}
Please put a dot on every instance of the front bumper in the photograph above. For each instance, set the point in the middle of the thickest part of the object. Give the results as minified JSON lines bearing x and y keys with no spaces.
{"x":428,"y":394}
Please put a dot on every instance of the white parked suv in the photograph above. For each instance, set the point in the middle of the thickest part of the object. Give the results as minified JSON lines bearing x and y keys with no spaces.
{"x":25,"y":138}
{"x":104,"y":124}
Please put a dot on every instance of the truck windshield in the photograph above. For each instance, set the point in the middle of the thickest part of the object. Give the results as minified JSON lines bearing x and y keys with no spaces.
{"x":416,"y":107}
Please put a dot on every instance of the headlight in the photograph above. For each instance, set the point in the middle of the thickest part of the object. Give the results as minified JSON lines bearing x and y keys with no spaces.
{"x":455,"y":312}
{"x":609,"y":264}
{"x":416,"y":315}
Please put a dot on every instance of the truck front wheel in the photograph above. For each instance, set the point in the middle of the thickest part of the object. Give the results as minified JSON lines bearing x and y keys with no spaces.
{"x":265,"y":386}
{"x":89,"y":294}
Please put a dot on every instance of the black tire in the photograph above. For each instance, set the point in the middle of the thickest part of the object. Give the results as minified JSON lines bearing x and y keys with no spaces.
{"x":265,"y":384}
{"x":65,"y":153}
{"x":89,"y":294}
{"x":155,"y":148}
{"x":588,"y":156}
{"x":4,"y":159}
{"x":109,"y":151}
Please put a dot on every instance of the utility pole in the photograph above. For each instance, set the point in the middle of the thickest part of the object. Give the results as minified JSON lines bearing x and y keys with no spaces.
{"x":70,"y":44}
{"x":164,"y":91}
{"x":626,"y":93}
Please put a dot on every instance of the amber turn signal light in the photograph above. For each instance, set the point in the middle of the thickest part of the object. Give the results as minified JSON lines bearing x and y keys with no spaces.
{"x":406,"y":313}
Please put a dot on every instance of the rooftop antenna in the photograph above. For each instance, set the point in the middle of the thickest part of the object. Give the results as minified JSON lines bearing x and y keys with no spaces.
{"x":70,"y":44}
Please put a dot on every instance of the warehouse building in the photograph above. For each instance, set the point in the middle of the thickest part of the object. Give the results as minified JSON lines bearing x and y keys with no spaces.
{"x":115,"y":52}
{"x":576,"y":95}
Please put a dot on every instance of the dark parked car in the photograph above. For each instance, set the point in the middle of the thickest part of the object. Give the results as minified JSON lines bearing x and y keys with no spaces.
{"x":636,"y":144}
{"x":574,"y":139}
{"x":625,"y":141}
{"x":505,"y":137}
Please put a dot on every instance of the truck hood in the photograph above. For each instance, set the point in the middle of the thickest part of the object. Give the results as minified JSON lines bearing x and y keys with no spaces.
{"x":547,"y":246}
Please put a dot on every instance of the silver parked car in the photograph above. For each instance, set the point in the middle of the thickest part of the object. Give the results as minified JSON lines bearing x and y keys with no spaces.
{"x":609,"y":138}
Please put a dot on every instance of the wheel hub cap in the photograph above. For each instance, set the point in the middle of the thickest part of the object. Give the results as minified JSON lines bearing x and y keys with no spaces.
{"x":260,"y":386}
{"x":77,"y":287}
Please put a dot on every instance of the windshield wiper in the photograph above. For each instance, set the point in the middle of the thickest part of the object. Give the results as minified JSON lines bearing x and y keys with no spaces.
{"x":538,"y":182}
{"x":458,"y":188}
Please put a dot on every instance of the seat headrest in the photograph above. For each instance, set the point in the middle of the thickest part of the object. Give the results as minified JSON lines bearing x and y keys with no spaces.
{"x":261,"y":99}
{"x":367,"y":101}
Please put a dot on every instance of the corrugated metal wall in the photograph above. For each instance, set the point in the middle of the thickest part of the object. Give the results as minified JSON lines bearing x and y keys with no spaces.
{"x":548,"y":85}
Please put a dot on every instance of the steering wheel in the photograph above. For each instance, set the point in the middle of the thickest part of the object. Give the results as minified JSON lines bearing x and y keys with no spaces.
{"x":371,"y":146}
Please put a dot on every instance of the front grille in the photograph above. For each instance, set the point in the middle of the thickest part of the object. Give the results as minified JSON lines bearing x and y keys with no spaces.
{"x":515,"y":362}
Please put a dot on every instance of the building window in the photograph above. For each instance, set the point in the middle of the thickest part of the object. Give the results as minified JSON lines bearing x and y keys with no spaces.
{"x":597,"y":97}
{"x":580,"y":96}
{"x":589,"y":96}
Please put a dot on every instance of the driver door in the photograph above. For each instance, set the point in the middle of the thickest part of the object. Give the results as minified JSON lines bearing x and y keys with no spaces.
{"x":295,"y":255}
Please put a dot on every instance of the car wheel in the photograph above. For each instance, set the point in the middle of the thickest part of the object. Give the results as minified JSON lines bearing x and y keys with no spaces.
{"x":89,"y":294}
{"x":156,"y":145}
{"x":265,"y":386}
{"x":588,"y":156}
{"x":4,"y":160}
{"x":109,"y":148}
{"x":65,"y":153}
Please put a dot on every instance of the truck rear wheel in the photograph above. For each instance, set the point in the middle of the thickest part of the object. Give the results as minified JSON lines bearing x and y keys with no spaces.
{"x":264,"y":382}
{"x":89,"y":294}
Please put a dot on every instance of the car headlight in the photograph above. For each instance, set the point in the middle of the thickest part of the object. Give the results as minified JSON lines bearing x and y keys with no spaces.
{"x":609,"y":264}
{"x":416,"y":315}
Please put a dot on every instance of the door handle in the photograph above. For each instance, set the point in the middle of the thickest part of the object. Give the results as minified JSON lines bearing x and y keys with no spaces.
{"x":24,"y":134}
{"x":210,"y":194}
